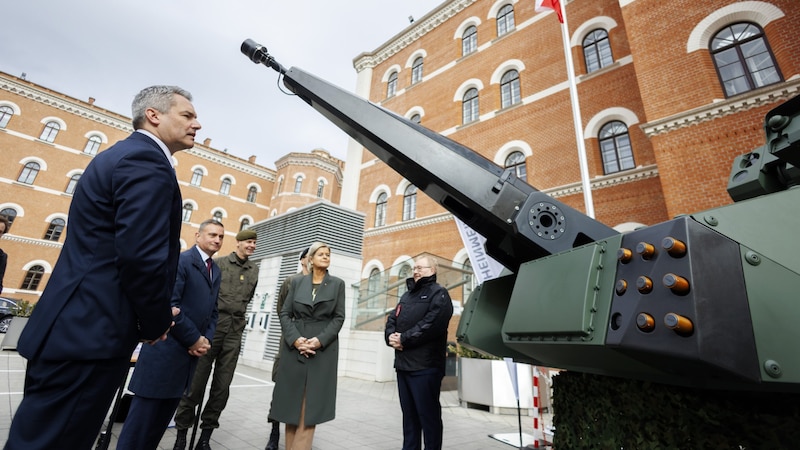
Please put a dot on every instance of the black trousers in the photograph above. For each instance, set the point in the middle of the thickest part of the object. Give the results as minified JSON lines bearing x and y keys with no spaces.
{"x":146,"y":423}
{"x":422,"y":413}
{"x":65,"y":403}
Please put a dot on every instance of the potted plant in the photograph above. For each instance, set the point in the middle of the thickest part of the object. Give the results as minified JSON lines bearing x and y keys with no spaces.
{"x":22,"y":312}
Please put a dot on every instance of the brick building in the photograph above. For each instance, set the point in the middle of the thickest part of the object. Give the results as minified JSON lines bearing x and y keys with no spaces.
{"x":47,"y":139}
{"x":670,"y":92}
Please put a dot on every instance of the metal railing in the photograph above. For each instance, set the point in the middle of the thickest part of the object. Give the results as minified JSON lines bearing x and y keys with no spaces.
{"x":377,"y":296}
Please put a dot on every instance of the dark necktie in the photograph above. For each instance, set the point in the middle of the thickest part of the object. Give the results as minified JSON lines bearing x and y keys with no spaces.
{"x":208,"y":264}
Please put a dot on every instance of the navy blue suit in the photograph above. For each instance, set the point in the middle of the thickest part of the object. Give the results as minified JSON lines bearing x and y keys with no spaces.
{"x":164,"y":371}
{"x":111,"y":287}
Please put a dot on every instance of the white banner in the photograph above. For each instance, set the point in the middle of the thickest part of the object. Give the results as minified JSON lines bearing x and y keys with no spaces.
{"x":512,"y":372}
{"x":484,"y":266}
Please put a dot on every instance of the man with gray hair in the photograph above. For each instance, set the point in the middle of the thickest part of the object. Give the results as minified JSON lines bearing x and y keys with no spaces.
{"x":112,"y":283}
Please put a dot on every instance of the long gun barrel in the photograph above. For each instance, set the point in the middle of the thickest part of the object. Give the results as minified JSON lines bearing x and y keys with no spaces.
{"x":519,"y":222}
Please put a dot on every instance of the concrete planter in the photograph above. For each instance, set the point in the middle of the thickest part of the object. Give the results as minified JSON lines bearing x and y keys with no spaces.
{"x":14,"y":331}
{"x":486,"y":384}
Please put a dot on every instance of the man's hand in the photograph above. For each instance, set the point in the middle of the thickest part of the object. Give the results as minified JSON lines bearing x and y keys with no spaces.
{"x":201,"y":347}
{"x":394,"y":341}
{"x":175,"y":312}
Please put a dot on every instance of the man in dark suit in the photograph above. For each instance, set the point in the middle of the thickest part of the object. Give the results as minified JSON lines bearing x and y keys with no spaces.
{"x":239,"y":281}
{"x":164,"y":371}
{"x":112,"y":283}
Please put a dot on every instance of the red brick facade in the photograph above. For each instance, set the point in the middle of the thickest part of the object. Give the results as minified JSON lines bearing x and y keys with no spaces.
{"x":663,"y":84}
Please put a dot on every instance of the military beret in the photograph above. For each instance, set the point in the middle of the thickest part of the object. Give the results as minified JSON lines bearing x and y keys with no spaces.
{"x":245,"y":235}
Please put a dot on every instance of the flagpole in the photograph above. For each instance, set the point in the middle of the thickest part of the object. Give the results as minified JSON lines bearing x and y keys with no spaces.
{"x":576,"y":114}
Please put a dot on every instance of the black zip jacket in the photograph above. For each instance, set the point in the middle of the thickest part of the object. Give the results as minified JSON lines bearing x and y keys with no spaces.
{"x":421,"y":317}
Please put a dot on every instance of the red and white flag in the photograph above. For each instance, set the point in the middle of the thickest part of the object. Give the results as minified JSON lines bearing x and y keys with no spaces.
{"x":544,"y":5}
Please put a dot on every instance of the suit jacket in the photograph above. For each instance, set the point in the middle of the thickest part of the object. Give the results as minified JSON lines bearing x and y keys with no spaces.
{"x":165,"y":370}
{"x":112,"y":283}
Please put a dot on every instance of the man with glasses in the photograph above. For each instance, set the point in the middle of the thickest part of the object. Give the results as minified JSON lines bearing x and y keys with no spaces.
{"x":417,"y":330}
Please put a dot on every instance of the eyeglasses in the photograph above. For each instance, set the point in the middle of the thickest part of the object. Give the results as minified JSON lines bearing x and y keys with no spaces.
{"x":419,"y":268}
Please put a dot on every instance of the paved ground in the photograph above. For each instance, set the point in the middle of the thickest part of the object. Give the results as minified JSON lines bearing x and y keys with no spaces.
{"x":367,"y":415}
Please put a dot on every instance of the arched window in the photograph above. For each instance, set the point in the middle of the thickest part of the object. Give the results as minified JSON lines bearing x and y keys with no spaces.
{"x":72,"y":184}
{"x":410,"y":203}
{"x":92,"y":145}
{"x":225,"y":187}
{"x":509,"y":89}
{"x":298,"y":184}
{"x":197,"y":177}
{"x":743,"y":58}
{"x":245,"y":224}
{"x":280,"y":185}
{"x":469,"y":106}
{"x":597,"y":50}
{"x":403,"y":274}
{"x":380,"y":210}
{"x":469,"y":40}
{"x":29,"y":172}
{"x":188,"y":209}
{"x":373,"y":288}
{"x":251,"y":194}
{"x":218,"y":216}
{"x":615,"y":147}
{"x":11,"y":215}
{"x":416,"y":71}
{"x":32,"y":278}
{"x":54,"y":230}
{"x":416,"y":118}
{"x":391,"y":86}
{"x":50,"y":131}
{"x":374,"y":281}
{"x":516,"y":160}
{"x":5,"y":115}
{"x":320,"y":188}
{"x":505,"y":20}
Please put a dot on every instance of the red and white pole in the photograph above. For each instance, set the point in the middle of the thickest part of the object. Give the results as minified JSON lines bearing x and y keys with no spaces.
{"x":536,"y":433}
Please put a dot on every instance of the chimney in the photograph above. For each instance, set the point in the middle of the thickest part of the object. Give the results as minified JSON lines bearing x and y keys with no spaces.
{"x":207,"y":142}
{"x":252,"y":159}
{"x":91,"y":100}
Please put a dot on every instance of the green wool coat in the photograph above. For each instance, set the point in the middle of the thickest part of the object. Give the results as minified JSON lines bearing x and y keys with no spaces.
{"x":316,"y":375}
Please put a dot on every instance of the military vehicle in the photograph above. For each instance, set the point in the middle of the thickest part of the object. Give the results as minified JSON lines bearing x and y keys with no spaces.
{"x":707,"y":300}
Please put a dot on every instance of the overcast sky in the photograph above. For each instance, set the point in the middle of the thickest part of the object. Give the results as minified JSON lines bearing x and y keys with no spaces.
{"x":110,"y":49}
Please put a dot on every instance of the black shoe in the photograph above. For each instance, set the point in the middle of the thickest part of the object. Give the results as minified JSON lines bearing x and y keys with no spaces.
{"x":180,"y":441}
{"x":205,"y":437}
{"x":274,"y":437}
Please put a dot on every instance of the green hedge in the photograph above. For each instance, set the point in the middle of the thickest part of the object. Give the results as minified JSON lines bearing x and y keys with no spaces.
{"x":598,"y":412}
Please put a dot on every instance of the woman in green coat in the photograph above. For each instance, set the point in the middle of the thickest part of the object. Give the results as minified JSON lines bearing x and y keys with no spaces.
{"x":313,"y":314}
